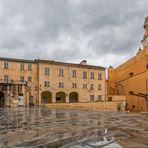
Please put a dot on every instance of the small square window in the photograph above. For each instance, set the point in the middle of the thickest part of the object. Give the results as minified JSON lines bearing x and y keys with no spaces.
{"x":84,"y":86}
{"x":22,"y":79}
{"x":6,"y":65}
{"x":61,"y":85}
{"x":29,"y":79}
{"x":61,"y":72}
{"x":92,"y":98}
{"x":92,"y":75}
{"x":74,"y":85}
{"x":29,"y":67}
{"x":22,"y":67}
{"x":47,"y":84}
{"x":84,"y":74}
{"x":99,"y":76}
{"x":74,"y":73}
{"x":92,"y":87}
{"x":46,"y":71}
{"x":99,"y":87}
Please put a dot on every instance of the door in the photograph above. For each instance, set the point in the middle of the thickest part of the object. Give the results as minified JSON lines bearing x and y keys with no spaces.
{"x":21,"y":100}
{"x":31,"y":101}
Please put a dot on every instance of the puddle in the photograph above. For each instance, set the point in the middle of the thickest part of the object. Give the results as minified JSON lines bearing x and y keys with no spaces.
{"x":44,"y":127}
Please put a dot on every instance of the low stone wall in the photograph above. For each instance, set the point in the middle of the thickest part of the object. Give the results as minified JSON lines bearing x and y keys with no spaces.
{"x":117,"y":98}
{"x":99,"y":106}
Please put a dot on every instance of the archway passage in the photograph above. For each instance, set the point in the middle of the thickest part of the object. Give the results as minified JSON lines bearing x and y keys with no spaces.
{"x":73,"y":97}
{"x":2,"y":101}
{"x":46,"y":97}
{"x":60,"y":97}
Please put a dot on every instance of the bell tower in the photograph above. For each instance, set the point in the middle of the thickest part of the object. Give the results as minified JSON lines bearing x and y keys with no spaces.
{"x":145,"y":37}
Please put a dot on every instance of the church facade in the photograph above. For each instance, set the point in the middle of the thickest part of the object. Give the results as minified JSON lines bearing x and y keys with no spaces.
{"x":131,"y":78}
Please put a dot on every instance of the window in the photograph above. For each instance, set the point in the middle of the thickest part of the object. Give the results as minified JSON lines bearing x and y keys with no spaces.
{"x":84,"y":86}
{"x":61,"y":72}
{"x":29,"y":79}
{"x":131,"y":73}
{"x":29,"y":67}
{"x":46,"y":71}
{"x":92,"y":75}
{"x":84,"y":74}
{"x":20,"y":89}
{"x":6,"y":78}
{"x":47,"y":84}
{"x":99,"y":76}
{"x":92,"y":98}
{"x":6,"y":65}
{"x":22,"y":79}
{"x":109,"y":99}
{"x":22,"y":67}
{"x":91,"y":86}
{"x":61,"y":85}
{"x":74,"y":85}
{"x":99,"y":98}
{"x":74,"y":73}
{"x":99,"y":87}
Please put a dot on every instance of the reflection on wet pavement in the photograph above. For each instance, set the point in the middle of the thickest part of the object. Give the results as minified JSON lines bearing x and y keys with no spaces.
{"x":44,"y":127}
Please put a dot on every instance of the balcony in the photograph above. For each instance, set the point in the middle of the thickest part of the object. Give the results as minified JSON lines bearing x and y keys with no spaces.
{"x":10,"y":81}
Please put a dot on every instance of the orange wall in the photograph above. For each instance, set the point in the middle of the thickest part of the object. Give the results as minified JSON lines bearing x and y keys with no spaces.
{"x":122,"y":82}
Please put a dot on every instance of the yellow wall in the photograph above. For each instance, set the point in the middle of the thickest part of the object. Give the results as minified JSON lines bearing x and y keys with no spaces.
{"x":38,"y":79}
{"x":54,"y":79}
{"x":15,"y":73}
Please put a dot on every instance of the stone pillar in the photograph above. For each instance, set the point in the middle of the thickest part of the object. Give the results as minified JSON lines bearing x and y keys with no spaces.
{"x":53,"y":97}
{"x":39,"y":99}
{"x":25,"y":96}
{"x":67,"y":98}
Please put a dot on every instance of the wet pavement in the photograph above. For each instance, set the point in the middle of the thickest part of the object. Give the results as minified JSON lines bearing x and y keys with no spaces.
{"x":44,"y":127}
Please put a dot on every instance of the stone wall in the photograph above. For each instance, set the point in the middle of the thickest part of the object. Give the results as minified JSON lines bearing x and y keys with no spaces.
{"x":98,"y":106}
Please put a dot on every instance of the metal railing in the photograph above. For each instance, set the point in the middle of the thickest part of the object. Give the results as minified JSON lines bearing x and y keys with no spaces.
{"x":10,"y":81}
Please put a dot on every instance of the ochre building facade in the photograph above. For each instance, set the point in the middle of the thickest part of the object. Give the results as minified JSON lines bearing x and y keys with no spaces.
{"x":36,"y":82}
{"x":131,"y":78}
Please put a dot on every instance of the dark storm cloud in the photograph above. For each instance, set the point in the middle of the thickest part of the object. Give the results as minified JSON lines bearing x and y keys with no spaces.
{"x":72,"y":30}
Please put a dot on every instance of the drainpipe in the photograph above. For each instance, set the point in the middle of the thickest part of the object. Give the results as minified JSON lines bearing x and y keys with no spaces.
{"x":147,"y":94}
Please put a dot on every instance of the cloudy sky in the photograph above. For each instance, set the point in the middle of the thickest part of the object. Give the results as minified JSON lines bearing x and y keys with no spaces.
{"x":103,"y":32}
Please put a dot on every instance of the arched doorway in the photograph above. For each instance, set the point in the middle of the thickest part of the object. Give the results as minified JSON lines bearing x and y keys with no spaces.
{"x":2,"y":101}
{"x":46,"y":97}
{"x":73,"y":97}
{"x":60,"y":97}
{"x":119,"y":89}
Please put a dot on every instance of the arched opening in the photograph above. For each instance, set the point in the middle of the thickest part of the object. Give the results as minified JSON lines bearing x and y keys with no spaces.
{"x":46,"y":97}
{"x":73,"y":97}
{"x":2,"y":101}
{"x":119,"y":89}
{"x":60,"y":97}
